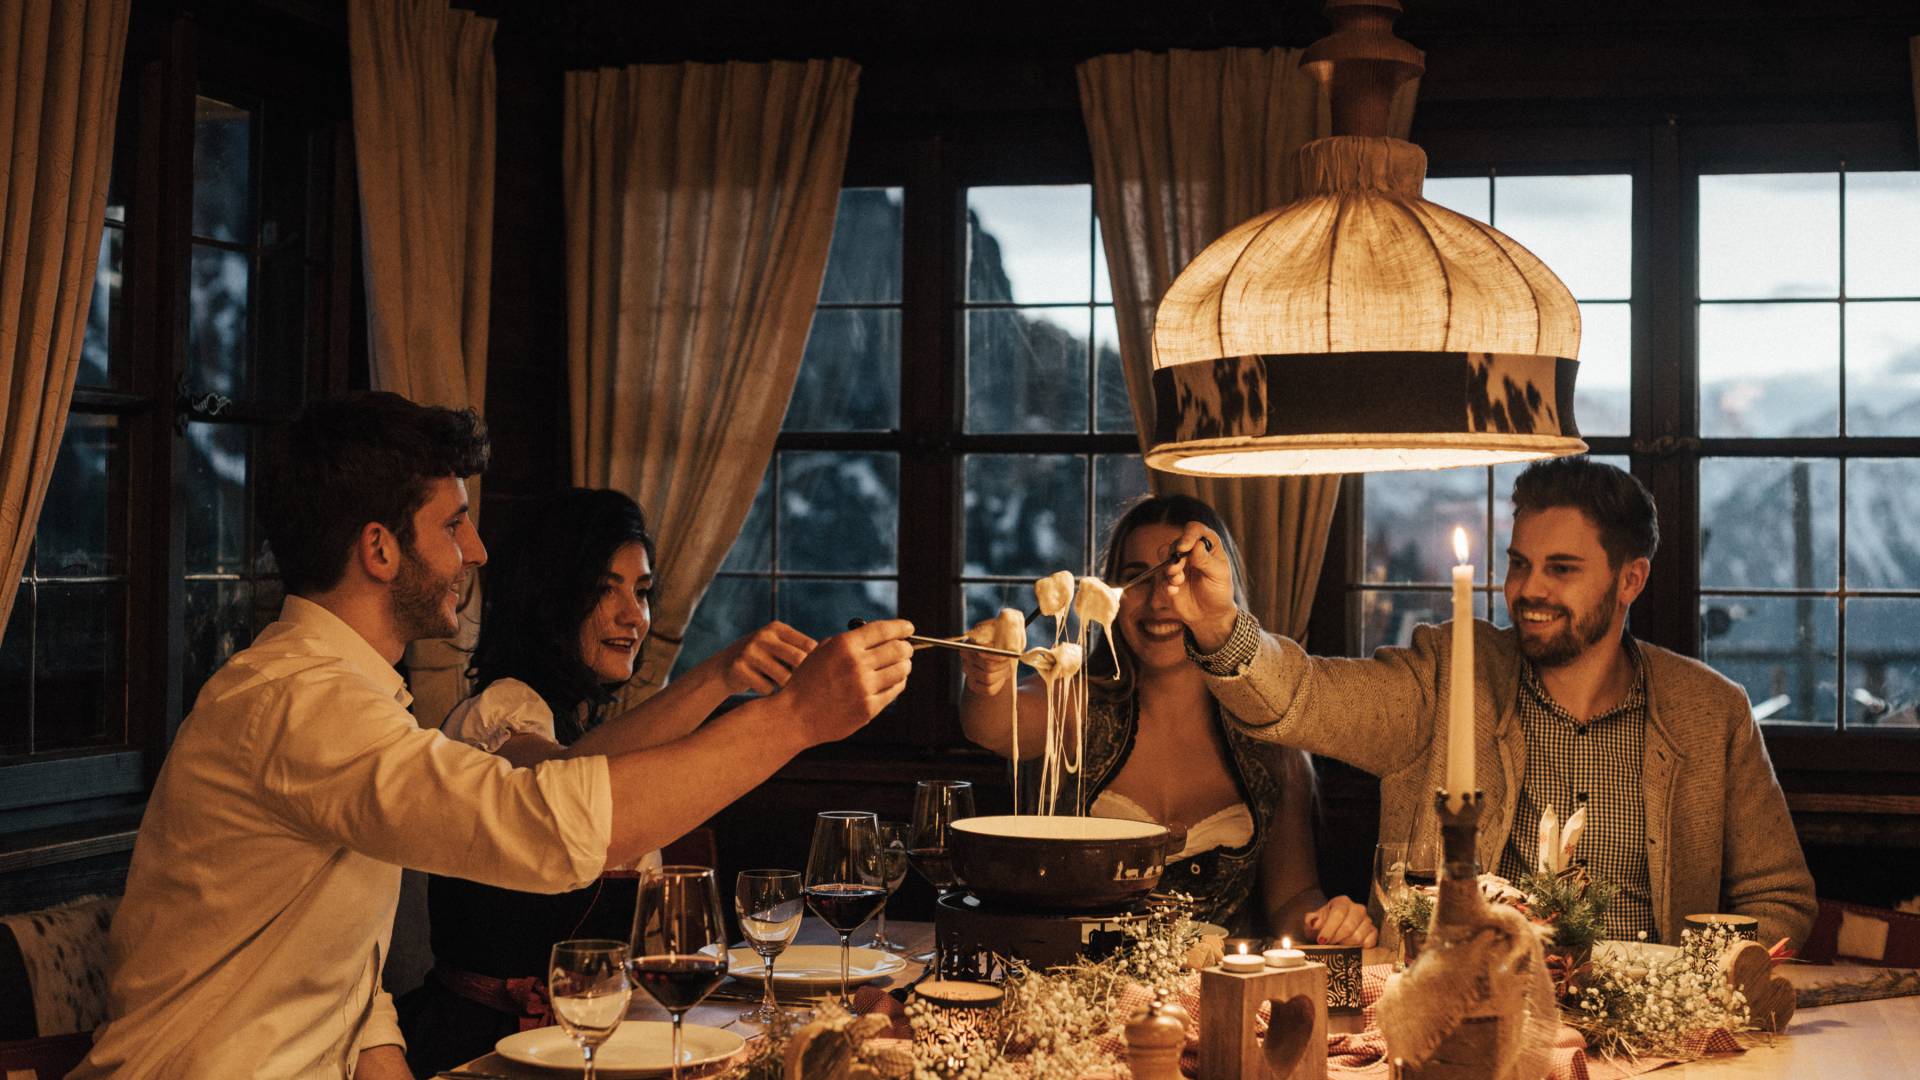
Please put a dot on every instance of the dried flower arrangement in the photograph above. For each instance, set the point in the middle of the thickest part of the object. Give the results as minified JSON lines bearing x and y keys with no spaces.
{"x":1633,"y":1005}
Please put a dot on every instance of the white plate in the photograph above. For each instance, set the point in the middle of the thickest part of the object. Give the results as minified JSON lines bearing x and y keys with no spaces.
{"x":1643,"y":952}
{"x":637,"y":1048}
{"x":814,"y":967}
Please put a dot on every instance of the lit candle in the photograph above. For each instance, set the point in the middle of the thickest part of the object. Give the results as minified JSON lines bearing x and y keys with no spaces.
{"x":1460,"y":782}
{"x":1286,"y":956}
{"x":1243,"y":962}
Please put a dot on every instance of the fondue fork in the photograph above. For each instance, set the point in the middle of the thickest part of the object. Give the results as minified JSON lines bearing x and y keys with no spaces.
{"x":945,"y":643}
{"x":1144,"y":575}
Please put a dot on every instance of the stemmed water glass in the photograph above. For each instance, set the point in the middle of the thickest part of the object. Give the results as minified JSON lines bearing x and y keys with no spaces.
{"x":937,"y":804}
{"x":1389,"y":885}
{"x":768,"y":903}
{"x":895,"y":838}
{"x":845,"y":882}
{"x":587,"y":983}
{"x":679,"y":941}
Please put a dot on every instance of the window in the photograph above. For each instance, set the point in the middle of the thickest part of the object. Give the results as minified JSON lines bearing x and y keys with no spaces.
{"x":220,"y":303}
{"x":1809,"y":346}
{"x":1582,"y":227}
{"x":1031,"y":463}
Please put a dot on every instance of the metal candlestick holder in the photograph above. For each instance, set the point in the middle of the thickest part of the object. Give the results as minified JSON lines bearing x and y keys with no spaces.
{"x":1296,"y":1044}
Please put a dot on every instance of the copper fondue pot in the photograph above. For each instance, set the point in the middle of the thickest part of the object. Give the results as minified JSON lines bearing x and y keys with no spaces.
{"x":1058,"y":863}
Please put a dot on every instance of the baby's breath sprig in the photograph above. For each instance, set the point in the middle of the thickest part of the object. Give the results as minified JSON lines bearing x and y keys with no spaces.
{"x":1632,"y":1006}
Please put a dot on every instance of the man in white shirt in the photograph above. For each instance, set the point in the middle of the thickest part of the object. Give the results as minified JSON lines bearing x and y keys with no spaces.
{"x":263,"y":884}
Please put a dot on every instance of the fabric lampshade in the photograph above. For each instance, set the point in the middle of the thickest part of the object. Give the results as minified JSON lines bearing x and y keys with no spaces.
{"x":1361,"y":328}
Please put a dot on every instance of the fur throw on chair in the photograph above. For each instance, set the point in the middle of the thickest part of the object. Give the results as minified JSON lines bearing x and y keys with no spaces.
{"x":64,"y":951}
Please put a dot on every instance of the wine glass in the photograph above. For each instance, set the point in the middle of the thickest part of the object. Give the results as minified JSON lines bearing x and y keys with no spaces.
{"x":845,"y":882}
{"x":587,"y":983}
{"x":895,"y":838}
{"x":679,"y":941}
{"x":937,"y":804}
{"x":768,"y":903}
{"x":1389,"y":885}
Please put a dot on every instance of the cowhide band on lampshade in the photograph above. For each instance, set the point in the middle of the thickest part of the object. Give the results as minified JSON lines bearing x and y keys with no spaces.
{"x":1361,"y":412}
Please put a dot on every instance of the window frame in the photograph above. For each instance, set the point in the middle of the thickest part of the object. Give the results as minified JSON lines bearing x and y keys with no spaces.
{"x":1666,"y":157}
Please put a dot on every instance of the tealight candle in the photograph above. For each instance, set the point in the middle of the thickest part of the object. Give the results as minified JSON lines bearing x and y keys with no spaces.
{"x":1286,"y":956}
{"x":1243,"y":962}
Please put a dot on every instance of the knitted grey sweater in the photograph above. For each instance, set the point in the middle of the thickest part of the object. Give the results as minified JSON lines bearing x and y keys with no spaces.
{"x":1719,"y":837}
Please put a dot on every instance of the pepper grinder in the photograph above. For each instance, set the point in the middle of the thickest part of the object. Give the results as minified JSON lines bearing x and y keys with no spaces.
{"x":1155,"y":1040}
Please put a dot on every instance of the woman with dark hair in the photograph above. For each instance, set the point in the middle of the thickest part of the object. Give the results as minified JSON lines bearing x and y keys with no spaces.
{"x":1158,"y":749}
{"x":567,"y":611}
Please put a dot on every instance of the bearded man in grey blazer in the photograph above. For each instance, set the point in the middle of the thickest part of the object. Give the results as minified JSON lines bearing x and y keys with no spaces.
{"x":1684,"y":814}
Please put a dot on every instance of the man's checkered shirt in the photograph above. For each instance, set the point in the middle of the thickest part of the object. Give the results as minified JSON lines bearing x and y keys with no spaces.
{"x":1596,"y":765}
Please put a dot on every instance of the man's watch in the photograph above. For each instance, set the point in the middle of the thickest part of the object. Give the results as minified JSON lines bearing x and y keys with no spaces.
{"x":1234,"y":657}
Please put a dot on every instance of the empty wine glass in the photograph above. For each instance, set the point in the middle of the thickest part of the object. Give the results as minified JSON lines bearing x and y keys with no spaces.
{"x":895,"y":838}
{"x":845,"y":882}
{"x":1389,"y":885}
{"x":587,"y":983}
{"x":679,"y":941}
{"x":937,"y":804}
{"x":768,"y":903}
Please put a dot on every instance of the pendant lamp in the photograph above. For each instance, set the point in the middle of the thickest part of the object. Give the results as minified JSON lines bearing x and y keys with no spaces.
{"x":1361,"y":328}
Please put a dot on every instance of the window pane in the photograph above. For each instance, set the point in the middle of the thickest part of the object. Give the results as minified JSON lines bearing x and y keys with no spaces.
{"x":1113,"y":407}
{"x":1767,"y":237}
{"x":1580,"y":226}
{"x":821,"y":609}
{"x":1883,"y":232}
{"x":732,"y":608}
{"x":1026,"y":513}
{"x":213,"y":483}
{"x":1027,"y":369}
{"x":1769,"y":523}
{"x":1603,"y":393}
{"x":839,"y":512}
{"x":222,"y":171}
{"x":217,"y":323}
{"x":16,"y":676}
{"x":850,"y":377}
{"x":1388,"y":617}
{"x":1118,"y":480}
{"x":1883,"y":368}
{"x":1469,"y":195}
{"x":753,"y":548}
{"x":219,"y":623}
{"x":78,"y":665}
{"x":1883,"y":663}
{"x":1781,"y":648}
{"x":81,"y":532}
{"x":1410,"y":518}
{"x":863,"y":265}
{"x":1769,"y":369}
{"x":96,"y":351}
{"x":1102,"y":277}
{"x":1883,"y":526}
{"x":1030,"y":245}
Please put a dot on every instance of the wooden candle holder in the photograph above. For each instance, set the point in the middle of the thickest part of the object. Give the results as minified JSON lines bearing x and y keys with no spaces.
{"x":1296,"y":1044}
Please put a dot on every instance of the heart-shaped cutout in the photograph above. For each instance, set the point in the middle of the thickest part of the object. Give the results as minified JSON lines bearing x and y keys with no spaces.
{"x":1288,"y":1031}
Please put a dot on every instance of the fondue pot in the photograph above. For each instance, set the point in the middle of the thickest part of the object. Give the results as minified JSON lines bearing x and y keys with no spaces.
{"x":1058,"y":863}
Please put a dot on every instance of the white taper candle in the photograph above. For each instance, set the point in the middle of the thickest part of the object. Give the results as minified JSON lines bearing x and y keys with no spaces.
{"x":1460,"y":781}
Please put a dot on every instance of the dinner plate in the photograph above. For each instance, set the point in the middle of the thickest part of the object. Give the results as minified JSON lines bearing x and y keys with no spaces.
{"x":813,"y":967}
{"x":1645,"y":952}
{"x":636,"y":1048}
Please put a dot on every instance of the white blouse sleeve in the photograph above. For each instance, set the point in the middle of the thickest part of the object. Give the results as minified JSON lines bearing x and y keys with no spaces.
{"x":507,"y":707}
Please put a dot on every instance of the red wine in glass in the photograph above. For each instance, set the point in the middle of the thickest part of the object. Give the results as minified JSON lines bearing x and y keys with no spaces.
{"x":845,"y":907}
{"x":935,"y":864}
{"x":678,"y":983}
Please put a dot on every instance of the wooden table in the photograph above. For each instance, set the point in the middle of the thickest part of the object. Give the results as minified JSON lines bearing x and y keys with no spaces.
{"x":1868,"y":1040}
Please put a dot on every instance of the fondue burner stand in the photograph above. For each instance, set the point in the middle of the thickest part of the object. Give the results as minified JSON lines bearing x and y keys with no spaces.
{"x":974,"y":935}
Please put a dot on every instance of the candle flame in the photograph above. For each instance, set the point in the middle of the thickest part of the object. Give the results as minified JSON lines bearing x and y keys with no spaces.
{"x":1286,"y":943}
{"x":1243,"y":948}
{"x":1460,"y":543}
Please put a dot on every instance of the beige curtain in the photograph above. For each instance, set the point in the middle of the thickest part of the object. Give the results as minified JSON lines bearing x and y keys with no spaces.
{"x":423,"y":120}
{"x":700,"y":206}
{"x":60,"y":66}
{"x":1187,"y":145}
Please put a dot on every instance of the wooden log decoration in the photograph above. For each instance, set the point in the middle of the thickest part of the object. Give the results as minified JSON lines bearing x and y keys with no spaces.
{"x":1296,"y":1044}
{"x":1770,"y":998}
